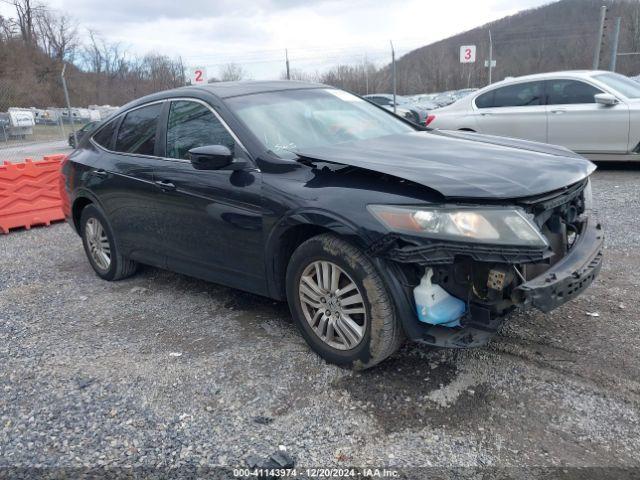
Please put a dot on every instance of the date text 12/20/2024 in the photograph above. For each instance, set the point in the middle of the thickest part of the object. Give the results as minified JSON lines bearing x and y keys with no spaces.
{"x":315,"y":473}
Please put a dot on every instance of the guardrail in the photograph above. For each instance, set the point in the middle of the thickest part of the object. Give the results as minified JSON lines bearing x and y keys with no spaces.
{"x":29,"y":193}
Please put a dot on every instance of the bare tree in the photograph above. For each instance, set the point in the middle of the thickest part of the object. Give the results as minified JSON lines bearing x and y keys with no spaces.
{"x":300,"y":75}
{"x":92,"y":53}
{"x":57,"y":35}
{"x":232,"y":72}
{"x":26,"y":18}
{"x":161,"y":72}
{"x":7,"y":30}
{"x":635,"y":29}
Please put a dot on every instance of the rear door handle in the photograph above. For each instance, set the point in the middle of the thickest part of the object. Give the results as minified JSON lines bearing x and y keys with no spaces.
{"x":100,"y":173}
{"x":165,"y":185}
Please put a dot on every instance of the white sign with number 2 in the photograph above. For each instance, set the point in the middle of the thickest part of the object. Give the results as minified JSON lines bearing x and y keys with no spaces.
{"x":468,"y":54}
{"x":198,"y":75}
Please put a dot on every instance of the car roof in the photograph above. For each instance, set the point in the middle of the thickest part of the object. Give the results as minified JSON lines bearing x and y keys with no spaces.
{"x":547,"y":75}
{"x":235,"y":89}
{"x":221,"y":90}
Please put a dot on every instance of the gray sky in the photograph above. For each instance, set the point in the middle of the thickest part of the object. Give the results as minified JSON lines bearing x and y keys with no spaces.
{"x":254,"y":33}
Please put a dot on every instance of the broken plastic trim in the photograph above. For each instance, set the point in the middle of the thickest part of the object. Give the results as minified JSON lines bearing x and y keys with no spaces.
{"x":471,"y":335}
{"x":570,"y":276}
{"x":478,"y":327}
{"x":554,"y":199}
{"x":444,"y":253}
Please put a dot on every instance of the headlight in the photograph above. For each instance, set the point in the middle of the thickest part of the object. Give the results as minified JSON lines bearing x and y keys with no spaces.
{"x":497,"y":226}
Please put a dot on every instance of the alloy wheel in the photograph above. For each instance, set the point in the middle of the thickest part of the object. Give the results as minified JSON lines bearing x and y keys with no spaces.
{"x":98,"y":243}
{"x":333,"y":305}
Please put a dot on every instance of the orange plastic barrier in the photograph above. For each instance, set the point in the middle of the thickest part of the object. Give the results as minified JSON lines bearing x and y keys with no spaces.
{"x":30,"y":193}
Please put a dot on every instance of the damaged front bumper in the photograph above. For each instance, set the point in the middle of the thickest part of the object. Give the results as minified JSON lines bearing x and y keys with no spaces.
{"x":570,"y":276}
{"x":561,"y":283}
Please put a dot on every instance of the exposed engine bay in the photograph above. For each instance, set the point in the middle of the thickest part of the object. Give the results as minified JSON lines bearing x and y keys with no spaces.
{"x":493,"y":281}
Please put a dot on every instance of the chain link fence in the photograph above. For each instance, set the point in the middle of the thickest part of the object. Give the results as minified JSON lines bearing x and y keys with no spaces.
{"x":28,"y":131}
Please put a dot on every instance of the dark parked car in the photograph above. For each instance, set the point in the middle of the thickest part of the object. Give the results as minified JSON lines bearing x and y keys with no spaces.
{"x":372,"y":228}
{"x":405,"y":107}
{"x":81,"y":133}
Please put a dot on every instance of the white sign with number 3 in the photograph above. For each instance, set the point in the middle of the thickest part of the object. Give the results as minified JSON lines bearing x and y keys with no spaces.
{"x":468,"y":54}
{"x":198,"y":75}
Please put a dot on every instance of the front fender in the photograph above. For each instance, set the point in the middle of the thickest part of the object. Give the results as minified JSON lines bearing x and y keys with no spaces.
{"x":299,"y":225}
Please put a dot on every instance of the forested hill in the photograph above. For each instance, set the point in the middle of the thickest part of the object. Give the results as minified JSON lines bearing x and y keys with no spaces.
{"x":557,"y":36}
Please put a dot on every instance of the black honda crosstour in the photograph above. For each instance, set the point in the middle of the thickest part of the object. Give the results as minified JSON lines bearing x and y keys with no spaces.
{"x":373,"y":229}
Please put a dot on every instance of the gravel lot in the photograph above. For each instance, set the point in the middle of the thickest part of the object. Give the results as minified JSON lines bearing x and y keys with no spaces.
{"x":162,"y":370}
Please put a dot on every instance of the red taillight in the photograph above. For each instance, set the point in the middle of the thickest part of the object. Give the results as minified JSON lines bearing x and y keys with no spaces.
{"x":430,"y":118}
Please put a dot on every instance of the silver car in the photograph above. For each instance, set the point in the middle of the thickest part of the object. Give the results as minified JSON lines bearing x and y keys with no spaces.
{"x":594,"y":113}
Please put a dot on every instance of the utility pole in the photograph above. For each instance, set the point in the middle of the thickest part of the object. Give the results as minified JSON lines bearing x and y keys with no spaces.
{"x":66,"y":97}
{"x":490,"y":57}
{"x":393,"y":74}
{"x":596,"y":55}
{"x":614,"y":45}
{"x":286,"y":56}
{"x":366,"y":73}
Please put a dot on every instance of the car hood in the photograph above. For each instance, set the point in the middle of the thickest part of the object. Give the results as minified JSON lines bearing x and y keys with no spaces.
{"x":462,"y":164}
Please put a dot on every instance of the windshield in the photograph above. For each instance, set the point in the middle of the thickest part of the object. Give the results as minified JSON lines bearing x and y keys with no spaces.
{"x":627,"y":87}
{"x":290,"y":120}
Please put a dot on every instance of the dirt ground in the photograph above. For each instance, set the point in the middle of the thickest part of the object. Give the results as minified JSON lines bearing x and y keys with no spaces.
{"x":162,"y":370}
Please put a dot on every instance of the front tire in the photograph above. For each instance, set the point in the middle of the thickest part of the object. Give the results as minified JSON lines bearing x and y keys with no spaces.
{"x":101,"y":248}
{"x":340,"y":303}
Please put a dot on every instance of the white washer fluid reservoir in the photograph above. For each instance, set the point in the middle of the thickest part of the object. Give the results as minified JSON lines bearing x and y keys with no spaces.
{"x":435,"y":306}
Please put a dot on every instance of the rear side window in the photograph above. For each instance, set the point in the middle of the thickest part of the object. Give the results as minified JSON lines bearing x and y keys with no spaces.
{"x":193,"y":125}
{"x":137,"y":133}
{"x":567,"y":92}
{"x":518,"y":95}
{"x":104,"y":137}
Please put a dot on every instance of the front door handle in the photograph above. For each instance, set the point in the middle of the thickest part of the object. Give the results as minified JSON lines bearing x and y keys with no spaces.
{"x":165,"y":185}
{"x":558,"y":112}
{"x":100,"y":173}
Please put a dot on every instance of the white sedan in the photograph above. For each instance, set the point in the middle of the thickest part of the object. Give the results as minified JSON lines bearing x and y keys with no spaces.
{"x":594,"y":113}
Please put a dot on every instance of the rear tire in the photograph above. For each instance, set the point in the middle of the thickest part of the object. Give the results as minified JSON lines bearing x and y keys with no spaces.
{"x":361,"y":340}
{"x":101,"y":247}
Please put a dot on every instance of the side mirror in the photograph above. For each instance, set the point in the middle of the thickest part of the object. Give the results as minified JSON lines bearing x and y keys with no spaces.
{"x":606,"y":99}
{"x":212,"y":157}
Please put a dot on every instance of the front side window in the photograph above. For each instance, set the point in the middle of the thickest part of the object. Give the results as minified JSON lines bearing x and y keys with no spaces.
{"x":569,"y":92}
{"x":193,"y":125}
{"x":137,"y":133}
{"x":290,"y":120}
{"x":485,"y":100}
{"x":104,"y":137}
